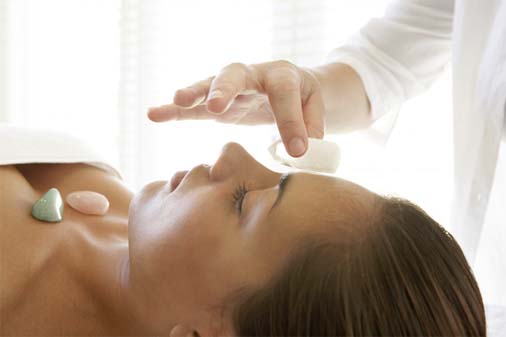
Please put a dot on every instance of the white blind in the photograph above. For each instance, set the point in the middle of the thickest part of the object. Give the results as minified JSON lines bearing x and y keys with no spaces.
{"x":305,"y":31}
{"x":166,"y":45}
{"x":299,"y":31}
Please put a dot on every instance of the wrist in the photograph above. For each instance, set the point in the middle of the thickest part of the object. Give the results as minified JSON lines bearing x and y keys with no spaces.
{"x":347,"y":105}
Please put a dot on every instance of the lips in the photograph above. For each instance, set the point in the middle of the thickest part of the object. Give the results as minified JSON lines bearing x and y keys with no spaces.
{"x":202,"y":170}
{"x":176,"y":179}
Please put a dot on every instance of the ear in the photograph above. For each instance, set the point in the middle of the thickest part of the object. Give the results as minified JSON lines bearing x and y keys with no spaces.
{"x":217,"y":326}
{"x":182,"y":331}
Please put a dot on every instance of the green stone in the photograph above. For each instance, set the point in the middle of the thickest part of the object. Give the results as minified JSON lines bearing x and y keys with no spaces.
{"x":49,"y":208}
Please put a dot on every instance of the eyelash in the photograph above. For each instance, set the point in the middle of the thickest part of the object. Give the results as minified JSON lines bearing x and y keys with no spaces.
{"x":239,"y":194}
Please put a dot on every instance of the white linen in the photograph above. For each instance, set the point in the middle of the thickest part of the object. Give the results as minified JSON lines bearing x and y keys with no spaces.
{"x":496,"y":321}
{"x":399,"y":55}
{"x":22,"y":144}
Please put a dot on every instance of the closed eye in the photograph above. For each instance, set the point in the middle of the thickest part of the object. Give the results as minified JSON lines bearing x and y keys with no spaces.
{"x":239,"y":194}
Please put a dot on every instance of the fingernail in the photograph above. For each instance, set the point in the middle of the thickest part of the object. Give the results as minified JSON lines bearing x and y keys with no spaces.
{"x":296,"y":146}
{"x":215,"y":94}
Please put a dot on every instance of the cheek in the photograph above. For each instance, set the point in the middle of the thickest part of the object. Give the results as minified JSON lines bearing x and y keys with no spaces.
{"x":196,"y":214}
{"x":201,"y":248}
{"x":198,"y":227}
{"x":191,"y":238}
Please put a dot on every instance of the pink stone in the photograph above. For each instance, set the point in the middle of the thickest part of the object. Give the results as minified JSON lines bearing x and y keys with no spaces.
{"x":88,"y":202}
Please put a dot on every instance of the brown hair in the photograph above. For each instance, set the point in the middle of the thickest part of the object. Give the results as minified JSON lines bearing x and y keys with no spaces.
{"x":402,"y":275}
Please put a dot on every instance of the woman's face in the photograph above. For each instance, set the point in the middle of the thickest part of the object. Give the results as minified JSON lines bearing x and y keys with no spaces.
{"x":197,"y":238}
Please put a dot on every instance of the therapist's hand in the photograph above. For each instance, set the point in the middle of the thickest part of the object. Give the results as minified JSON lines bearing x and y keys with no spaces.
{"x":263,"y":93}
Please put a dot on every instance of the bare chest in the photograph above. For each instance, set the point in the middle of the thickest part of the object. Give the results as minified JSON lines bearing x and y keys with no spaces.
{"x":38,"y":260}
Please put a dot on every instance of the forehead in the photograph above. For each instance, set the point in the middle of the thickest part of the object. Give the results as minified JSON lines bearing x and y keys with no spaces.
{"x":319,"y":191}
{"x":319,"y":203}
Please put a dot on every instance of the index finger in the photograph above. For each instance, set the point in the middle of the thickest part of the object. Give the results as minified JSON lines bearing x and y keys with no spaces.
{"x":175,"y":112}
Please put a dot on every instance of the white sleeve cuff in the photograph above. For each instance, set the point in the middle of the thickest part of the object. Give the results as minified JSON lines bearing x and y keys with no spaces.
{"x":385,"y":94}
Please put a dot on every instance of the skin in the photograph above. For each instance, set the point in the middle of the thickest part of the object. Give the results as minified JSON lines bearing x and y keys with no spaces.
{"x":161,"y":261}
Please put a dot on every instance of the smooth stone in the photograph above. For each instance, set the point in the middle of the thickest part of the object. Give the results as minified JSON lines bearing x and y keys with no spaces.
{"x":49,"y":207}
{"x":88,"y":202}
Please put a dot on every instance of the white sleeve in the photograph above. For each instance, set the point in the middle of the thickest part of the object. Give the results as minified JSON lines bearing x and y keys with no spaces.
{"x":400,"y":54}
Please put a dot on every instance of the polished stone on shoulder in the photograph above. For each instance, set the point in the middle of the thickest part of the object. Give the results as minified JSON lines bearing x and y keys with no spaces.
{"x":49,"y":207}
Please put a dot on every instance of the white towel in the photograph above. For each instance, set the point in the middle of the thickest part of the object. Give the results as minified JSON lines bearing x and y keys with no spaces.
{"x":23,"y":144}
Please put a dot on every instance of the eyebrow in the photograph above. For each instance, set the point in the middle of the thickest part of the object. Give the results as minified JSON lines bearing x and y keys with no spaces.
{"x":283,"y":182}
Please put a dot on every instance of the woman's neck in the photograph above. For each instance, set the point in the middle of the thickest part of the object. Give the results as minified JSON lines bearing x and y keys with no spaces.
{"x":107,"y":275}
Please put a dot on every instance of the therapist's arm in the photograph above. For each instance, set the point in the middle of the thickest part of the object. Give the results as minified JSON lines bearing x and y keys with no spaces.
{"x":389,"y":60}
{"x":397,"y":56}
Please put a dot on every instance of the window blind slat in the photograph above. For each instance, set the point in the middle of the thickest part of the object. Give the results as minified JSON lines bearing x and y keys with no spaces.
{"x":4,"y":47}
{"x":298,"y":28}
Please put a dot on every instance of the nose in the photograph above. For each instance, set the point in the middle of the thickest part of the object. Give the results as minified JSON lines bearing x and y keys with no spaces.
{"x":233,"y":158}
{"x":235,"y":162}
